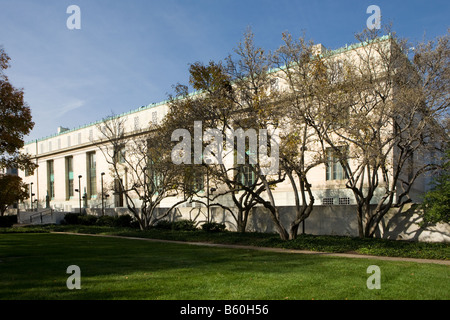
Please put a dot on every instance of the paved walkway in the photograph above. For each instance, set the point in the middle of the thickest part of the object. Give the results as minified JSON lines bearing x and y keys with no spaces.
{"x":231,"y":246}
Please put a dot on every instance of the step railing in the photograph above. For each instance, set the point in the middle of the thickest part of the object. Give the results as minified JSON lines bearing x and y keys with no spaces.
{"x":41,"y":214}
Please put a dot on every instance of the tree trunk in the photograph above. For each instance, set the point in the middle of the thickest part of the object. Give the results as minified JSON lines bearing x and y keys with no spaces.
{"x":284,"y":235}
{"x":360,"y":216}
{"x":241,"y":222}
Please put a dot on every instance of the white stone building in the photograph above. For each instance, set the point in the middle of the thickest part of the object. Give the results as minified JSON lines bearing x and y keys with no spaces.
{"x":72,"y":171}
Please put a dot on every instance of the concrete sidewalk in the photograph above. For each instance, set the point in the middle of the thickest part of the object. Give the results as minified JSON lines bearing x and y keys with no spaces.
{"x":279,"y":250}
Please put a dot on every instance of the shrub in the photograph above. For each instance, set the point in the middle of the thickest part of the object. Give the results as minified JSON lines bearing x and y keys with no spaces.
{"x":184,"y":225}
{"x":213,"y":227}
{"x":164,"y":224}
{"x":8,"y":221}
{"x":105,"y":221}
{"x":71,"y":218}
{"x":180,"y":225}
{"x":87,"y":220}
{"x":123,"y":221}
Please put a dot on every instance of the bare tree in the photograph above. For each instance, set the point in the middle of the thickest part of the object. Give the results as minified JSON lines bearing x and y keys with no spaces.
{"x":382,"y":118}
{"x":142,"y":169}
{"x":301,"y":149}
{"x":232,"y":96}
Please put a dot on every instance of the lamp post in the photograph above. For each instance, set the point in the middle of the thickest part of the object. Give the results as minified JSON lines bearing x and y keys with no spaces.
{"x":207,"y":193}
{"x":31,"y":195}
{"x":79,"y":190}
{"x":103,"y":207}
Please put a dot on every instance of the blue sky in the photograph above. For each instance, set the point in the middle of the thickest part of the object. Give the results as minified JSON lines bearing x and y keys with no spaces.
{"x":130,"y":53}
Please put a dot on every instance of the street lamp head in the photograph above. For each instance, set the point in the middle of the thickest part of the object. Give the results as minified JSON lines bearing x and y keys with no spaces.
{"x":102,"y":173}
{"x":79,"y":177}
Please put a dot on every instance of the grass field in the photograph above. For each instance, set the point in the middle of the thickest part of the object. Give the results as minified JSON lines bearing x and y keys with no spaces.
{"x":33,"y":266}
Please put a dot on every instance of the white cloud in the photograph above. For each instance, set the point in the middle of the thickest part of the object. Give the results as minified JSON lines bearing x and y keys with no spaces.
{"x":69,"y":106}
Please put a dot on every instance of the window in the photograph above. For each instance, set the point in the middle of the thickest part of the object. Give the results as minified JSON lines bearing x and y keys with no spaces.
{"x":197,"y":182}
{"x":92,"y":175}
{"x":336,"y":72}
{"x":194,"y":179}
{"x":246,"y":175}
{"x":153,"y":179}
{"x":327,"y":201}
{"x":69,"y":178}
{"x":50,"y":179}
{"x":118,"y":192}
{"x":136,"y":123}
{"x":344,"y":201}
{"x":154,"y":117}
{"x":334,"y":170}
{"x":121,"y":155}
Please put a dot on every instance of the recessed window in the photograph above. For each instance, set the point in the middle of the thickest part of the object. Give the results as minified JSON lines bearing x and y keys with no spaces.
{"x":50,"y":179}
{"x":69,"y":177}
{"x":334,"y":169}
{"x":92,"y":175}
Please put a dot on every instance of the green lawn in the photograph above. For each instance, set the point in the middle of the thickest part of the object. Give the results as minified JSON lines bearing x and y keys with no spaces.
{"x":324,"y":243}
{"x":33,"y":266}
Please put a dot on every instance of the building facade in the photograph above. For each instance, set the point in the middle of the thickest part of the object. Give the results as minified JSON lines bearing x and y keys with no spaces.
{"x":73,"y":173}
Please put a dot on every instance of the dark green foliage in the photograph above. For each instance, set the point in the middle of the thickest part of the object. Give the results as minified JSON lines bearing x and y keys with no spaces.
{"x":213,"y":227}
{"x":7,"y":221}
{"x":436,"y":204}
{"x":180,"y":225}
{"x":185,"y":225}
{"x":105,"y":221}
{"x":164,"y":224}
{"x":124,"y":221}
{"x":71,"y":218}
{"x":87,"y":220}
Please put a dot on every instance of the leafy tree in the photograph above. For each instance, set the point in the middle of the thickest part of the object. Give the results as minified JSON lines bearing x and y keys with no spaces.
{"x":15,"y":121}
{"x":436,"y":204}
{"x":12,"y":190}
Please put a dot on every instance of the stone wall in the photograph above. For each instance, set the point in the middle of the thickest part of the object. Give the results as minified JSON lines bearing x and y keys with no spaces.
{"x":328,"y":220}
